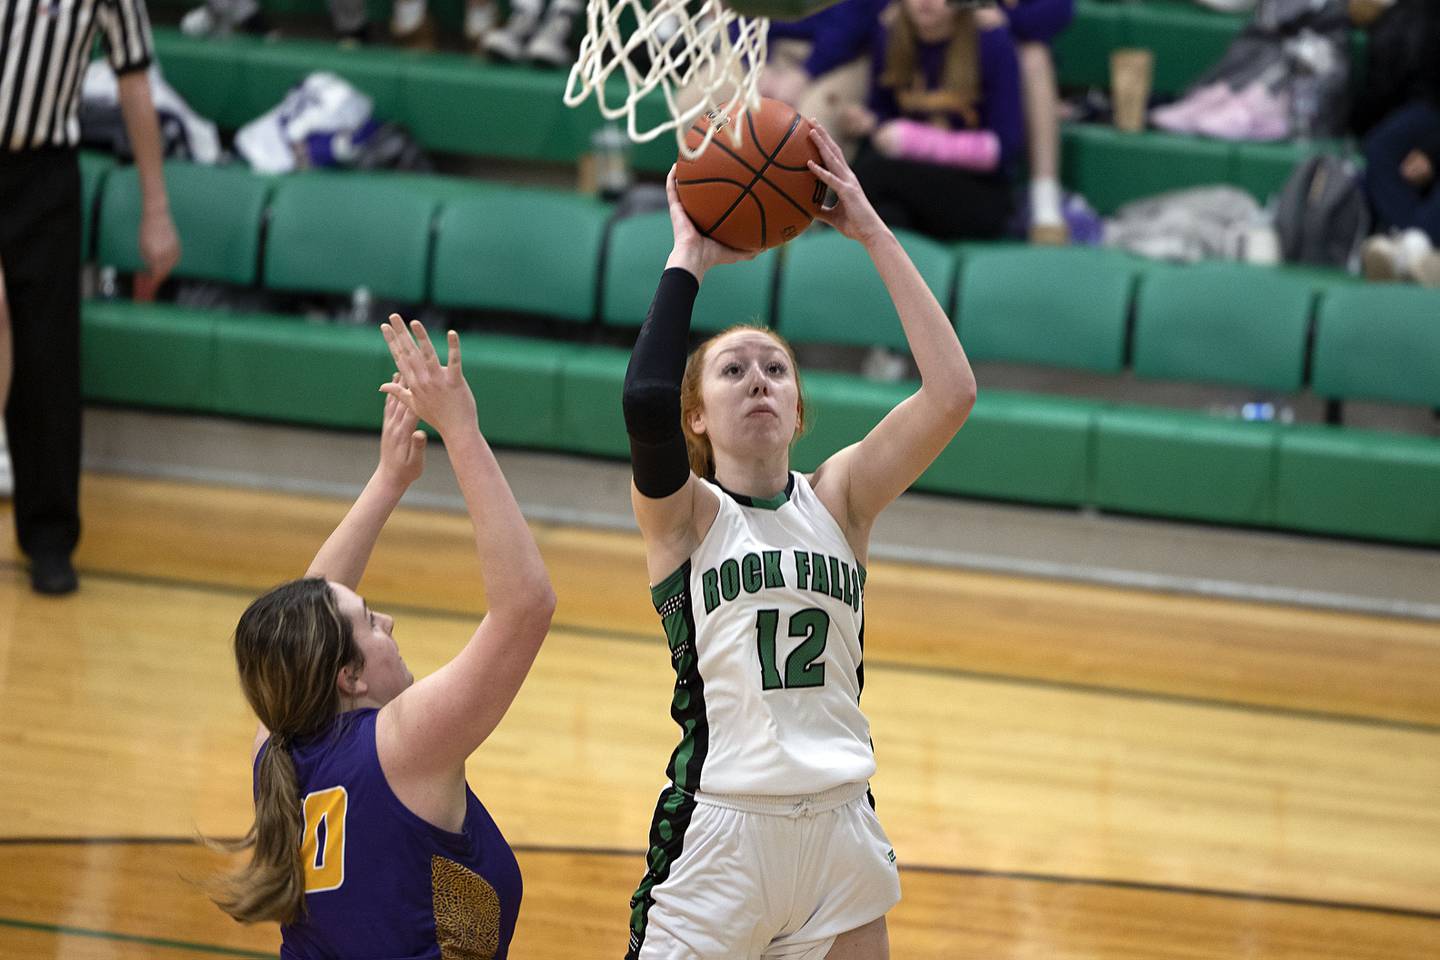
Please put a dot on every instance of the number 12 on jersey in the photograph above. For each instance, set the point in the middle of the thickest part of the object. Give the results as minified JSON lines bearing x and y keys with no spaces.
{"x":801,"y":669}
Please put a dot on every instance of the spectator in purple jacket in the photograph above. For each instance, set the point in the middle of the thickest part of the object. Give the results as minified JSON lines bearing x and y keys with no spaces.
{"x":945,"y":121}
{"x":820,"y":64}
{"x":1034,"y":24}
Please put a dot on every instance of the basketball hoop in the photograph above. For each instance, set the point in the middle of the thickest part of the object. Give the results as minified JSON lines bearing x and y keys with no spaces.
{"x":701,"y":60}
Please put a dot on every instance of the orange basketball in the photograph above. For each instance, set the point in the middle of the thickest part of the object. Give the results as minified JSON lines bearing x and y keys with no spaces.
{"x":758,"y":194}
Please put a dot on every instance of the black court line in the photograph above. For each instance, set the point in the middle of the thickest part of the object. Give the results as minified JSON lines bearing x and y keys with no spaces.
{"x":958,"y":673}
{"x":1138,"y":886}
{"x":63,"y":930}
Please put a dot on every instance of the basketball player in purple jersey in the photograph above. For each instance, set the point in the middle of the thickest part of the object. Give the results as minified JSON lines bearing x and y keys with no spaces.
{"x":367,"y":842}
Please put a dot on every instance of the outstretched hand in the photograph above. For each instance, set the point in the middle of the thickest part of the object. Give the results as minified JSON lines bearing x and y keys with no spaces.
{"x":438,"y":395}
{"x":852,"y":213}
{"x":693,"y":251}
{"x":402,"y":447}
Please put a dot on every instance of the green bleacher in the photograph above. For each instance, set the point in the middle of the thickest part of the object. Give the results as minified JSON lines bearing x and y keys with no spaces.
{"x":573,"y":281}
{"x":457,"y":104}
{"x":547,"y":261}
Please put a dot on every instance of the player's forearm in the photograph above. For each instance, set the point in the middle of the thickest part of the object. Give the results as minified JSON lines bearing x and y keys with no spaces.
{"x":944,"y":369}
{"x":650,"y":398}
{"x":345,"y":554}
{"x":143,"y":128}
{"x":516,"y":582}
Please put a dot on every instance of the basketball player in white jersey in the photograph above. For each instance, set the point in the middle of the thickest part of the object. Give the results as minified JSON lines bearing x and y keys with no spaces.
{"x":766,"y":844}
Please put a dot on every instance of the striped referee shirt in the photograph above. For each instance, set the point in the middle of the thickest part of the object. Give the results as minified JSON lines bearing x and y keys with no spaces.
{"x":45,"y":46}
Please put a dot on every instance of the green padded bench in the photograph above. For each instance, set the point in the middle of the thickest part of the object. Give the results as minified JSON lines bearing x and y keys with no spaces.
{"x":519,"y":250}
{"x":299,"y":372}
{"x":1224,"y":323}
{"x":1053,"y":306}
{"x":1186,"y":41}
{"x":1359,"y":483}
{"x":455,"y":103}
{"x":1379,"y":343}
{"x":1021,"y":447}
{"x":449,"y":102}
{"x":591,"y":420}
{"x":284,"y":368}
{"x":148,"y":355}
{"x":332,"y":233}
{"x":257,"y":365}
{"x":1014,"y":446}
{"x":218,"y":212}
{"x":635,"y":258}
{"x":831,"y":293}
{"x":1169,"y":463}
{"x":287,"y":369}
{"x":1211,"y":323}
{"x":1113,"y":167}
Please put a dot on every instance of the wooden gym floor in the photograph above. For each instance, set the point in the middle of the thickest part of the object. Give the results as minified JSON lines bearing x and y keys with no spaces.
{"x":1066,"y":771}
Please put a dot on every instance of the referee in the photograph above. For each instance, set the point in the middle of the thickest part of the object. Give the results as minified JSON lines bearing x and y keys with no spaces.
{"x":44,"y":48}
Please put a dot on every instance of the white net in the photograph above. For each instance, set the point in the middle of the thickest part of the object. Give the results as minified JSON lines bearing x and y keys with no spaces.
{"x":702,"y":57}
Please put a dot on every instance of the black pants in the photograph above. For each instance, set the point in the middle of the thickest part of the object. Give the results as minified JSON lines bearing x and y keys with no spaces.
{"x":1398,"y":202}
{"x":944,"y":202}
{"x":40,"y":253}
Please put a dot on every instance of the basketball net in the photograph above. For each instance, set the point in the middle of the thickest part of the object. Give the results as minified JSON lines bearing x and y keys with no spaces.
{"x":696,"y":58}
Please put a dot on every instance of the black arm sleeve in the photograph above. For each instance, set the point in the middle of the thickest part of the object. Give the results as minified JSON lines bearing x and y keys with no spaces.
{"x":651,"y":399}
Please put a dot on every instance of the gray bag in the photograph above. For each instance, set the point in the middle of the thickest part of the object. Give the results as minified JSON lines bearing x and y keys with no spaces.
{"x":1322,"y":216}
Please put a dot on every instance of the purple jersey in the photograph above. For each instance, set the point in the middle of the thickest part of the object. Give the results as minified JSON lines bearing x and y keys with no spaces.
{"x":379,"y":881}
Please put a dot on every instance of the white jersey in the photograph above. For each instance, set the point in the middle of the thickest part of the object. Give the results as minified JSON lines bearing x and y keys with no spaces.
{"x":766,"y":625}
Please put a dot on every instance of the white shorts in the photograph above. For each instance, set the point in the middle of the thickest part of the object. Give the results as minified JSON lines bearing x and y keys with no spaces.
{"x":760,"y":878}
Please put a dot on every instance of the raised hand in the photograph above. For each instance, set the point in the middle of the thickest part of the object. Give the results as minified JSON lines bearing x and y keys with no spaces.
{"x":1416,"y":169}
{"x":402,"y":447}
{"x":692,"y":251}
{"x":159,"y":245}
{"x":852,"y":213}
{"x":438,"y":395}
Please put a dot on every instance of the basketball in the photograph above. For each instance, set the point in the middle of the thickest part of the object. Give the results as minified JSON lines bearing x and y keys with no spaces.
{"x":759,"y":193}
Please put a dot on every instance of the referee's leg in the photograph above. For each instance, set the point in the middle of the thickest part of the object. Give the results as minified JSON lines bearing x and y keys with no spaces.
{"x":40,"y":247}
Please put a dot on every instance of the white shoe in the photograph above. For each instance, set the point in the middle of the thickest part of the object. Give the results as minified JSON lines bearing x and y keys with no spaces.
{"x":1380,"y":258}
{"x":7,"y":478}
{"x":1427,"y":270}
{"x":508,"y":43}
{"x":1408,"y":255}
{"x":551,"y":43}
{"x":199,"y":22}
{"x":479,"y":21}
{"x":1415,"y":249}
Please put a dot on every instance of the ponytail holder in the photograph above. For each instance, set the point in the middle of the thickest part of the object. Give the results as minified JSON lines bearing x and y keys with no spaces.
{"x":279,"y":740}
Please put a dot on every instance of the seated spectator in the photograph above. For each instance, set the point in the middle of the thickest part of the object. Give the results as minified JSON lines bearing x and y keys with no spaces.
{"x":1402,"y":160}
{"x":536,"y":34}
{"x":1402,"y":155}
{"x":944,"y":121}
{"x":413,"y":27}
{"x":1401,"y":62}
{"x":1034,"y":24}
{"x":220,"y":18}
{"x":820,"y":64}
